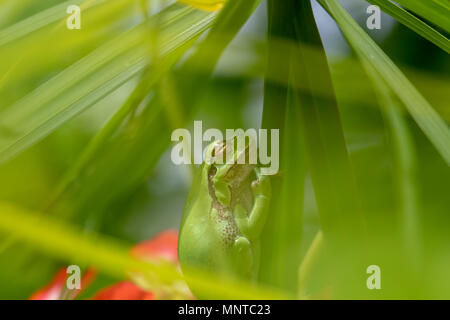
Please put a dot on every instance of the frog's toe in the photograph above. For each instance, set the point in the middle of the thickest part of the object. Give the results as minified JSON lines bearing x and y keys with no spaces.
{"x":261,"y":186}
{"x":243,"y":256}
{"x":242,"y":244}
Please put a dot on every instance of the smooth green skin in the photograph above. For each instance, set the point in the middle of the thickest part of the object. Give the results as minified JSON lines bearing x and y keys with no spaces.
{"x":223,"y":219}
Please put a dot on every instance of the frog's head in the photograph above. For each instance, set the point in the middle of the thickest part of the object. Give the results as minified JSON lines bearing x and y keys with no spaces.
{"x":230,"y":164}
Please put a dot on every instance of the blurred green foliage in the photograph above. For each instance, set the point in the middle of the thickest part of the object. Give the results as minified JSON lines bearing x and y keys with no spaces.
{"x":86,"y":117}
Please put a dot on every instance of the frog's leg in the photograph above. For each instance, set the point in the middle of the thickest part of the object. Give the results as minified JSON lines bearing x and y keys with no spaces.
{"x":241,"y":218}
{"x":251,"y":225}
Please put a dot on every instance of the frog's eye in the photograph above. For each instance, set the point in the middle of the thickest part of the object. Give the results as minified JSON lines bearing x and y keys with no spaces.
{"x":219,"y":149}
{"x":217,"y":153}
{"x":212,"y":152}
{"x":208,"y":5}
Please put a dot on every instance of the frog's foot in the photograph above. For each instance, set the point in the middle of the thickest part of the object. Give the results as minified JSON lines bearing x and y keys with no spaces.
{"x":243,"y":256}
{"x":261,"y":189}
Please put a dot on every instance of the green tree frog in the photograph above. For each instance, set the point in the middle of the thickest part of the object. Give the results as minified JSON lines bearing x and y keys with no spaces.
{"x":225,"y":214}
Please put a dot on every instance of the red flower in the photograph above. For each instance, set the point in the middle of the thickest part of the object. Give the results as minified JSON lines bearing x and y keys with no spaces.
{"x":53,"y":290}
{"x":162,"y":246}
{"x":56,"y":289}
{"x":125,"y":290}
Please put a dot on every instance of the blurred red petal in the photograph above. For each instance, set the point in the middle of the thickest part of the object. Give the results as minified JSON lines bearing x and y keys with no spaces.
{"x":163,"y":245}
{"x":53,"y":290}
{"x":125,"y":290}
{"x":88,"y":278}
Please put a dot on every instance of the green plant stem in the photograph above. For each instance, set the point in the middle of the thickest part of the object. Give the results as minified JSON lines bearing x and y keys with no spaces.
{"x":405,"y":160}
{"x":414,"y":23}
{"x":327,"y":155}
{"x":430,"y":122}
{"x":283,"y":230}
{"x":309,"y":262}
{"x":342,"y":221}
